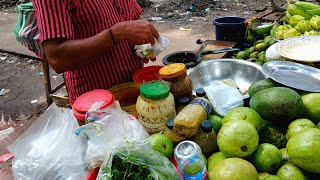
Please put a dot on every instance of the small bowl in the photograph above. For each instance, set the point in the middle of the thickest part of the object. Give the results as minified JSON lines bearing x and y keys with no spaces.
{"x":185,"y":57}
{"x":244,"y":73}
{"x":127,"y":95}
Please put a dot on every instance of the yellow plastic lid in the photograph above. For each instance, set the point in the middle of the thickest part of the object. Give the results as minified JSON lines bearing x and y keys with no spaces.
{"x":172,"y":70}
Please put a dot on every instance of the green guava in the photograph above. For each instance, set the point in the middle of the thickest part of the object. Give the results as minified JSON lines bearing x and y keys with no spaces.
{"x":304,"y":149}
{"x":246,"y":114}
{"x":291,"y":171}
{"x":238,"y":139}
{"x":233,"y":169}
{"x":162,"y":143}
{"x":298,"y":125}
{"x":311,"y":104}
{"x":215,"y":158}
{"x":267,"y":157}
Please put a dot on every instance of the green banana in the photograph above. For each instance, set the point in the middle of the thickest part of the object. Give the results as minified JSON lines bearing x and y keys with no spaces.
{"x":314,"y":11}
{"x":295,"y":10}
{"x":288,"y":15}
{"x":306,"y":5}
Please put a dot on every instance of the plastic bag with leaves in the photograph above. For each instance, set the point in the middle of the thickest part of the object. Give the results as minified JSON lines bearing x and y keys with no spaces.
{"x":109,"y":129}
{"x":137,"y":160}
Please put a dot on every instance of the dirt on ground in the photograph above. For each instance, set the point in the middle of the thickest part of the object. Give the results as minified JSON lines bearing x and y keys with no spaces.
{"x":21,"y":78}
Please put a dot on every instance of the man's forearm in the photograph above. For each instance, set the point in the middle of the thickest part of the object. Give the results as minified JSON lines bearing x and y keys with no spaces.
{"x":65,"y":55}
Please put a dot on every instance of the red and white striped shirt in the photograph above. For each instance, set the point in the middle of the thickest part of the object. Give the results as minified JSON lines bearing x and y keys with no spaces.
{"x":78,"y":19}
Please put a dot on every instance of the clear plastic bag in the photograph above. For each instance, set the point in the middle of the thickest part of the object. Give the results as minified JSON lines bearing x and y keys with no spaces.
{"x":141,"y":153}
{"x":149,"y":52}
{"x":223,"y":98}
{"x":49,"y":149}
{"x":110,"y":128}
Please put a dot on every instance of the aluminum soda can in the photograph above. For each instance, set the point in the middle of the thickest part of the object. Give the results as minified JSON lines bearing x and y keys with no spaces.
{"x":190,"y":161}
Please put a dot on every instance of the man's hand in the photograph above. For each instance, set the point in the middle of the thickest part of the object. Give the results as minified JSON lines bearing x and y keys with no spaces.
{"x":136,"y":32}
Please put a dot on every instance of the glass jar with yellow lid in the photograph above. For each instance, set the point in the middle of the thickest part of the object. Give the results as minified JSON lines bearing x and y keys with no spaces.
{"x":180,"y":83}
{"x":155,"y":106}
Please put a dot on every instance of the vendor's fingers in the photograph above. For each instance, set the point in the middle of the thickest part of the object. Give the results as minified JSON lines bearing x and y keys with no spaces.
{"x":153,"y":59}
{"x":154,"y":32}
{"x":151,"y":39}
{"x":145,"y":60}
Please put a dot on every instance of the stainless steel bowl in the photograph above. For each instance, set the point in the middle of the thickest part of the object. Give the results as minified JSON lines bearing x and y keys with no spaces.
{"x":244,"y":73}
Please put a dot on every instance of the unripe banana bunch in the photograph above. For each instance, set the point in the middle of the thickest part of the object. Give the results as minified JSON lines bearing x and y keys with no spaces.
{"x":305,"y":9}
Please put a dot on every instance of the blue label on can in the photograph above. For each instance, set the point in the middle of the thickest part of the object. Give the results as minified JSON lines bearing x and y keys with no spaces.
{"x":193,"y":168}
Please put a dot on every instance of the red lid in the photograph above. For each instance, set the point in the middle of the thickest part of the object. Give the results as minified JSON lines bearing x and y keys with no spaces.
{"x":93,"y":174}
{"x":78,"y":115}
{"x":84,"y":102}
{"x":146,"y":74}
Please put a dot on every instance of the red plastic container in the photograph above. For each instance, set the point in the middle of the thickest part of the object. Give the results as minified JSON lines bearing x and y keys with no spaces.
{"x":84,"y":102}
{"x":93,"y":174}
{"x":150,"y":73}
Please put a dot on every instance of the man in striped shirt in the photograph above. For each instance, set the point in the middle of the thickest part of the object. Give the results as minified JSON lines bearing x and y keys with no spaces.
{"x":92,"y":41}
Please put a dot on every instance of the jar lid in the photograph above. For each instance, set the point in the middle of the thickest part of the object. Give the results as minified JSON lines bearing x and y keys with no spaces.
{"x":200,"y":92}
{"x":206,"y":126}
{"x":154,"y":90}
{"x":184,"y":101}
{"x":172,"y":70}
{"x":84,"y":102}
{"x":170,"y":123}
{"x":79,"y":116}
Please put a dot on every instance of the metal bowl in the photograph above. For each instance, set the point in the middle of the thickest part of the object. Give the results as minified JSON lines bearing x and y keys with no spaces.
{"x":244,"y":73}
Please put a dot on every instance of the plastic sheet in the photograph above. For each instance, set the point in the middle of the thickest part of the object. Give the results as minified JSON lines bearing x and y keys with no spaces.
{"x":223,"y":98}
{"x":149,"y":52}
{"x":110,"y":128}
{"x":49,"y":149}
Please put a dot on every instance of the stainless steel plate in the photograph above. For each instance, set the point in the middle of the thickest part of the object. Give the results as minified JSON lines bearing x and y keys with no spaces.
{"x":294,"y":75}
{"x":244,"y":73}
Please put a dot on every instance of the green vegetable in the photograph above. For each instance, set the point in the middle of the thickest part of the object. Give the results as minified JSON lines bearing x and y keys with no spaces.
{"x":291,"y":33}
{"x":242,"y":55}
{"x":315,"y":22}
{"x":250,"y":38}
{"x":303,"y":26}
{"x":311,"y":33}
{"x":262,"y":58}
{"x":267,"y":39}
{"x":295,"y":19}
{"x":135,"y":161}
{"x":281,"y":28}
{"x":271,"y":42}
{"x":254,"y":54}
{"x":122,"y":169}
{"x":259,"y":41}
{"x":261,"y":53}
{"x":280,"y":33}
{"x":250,"y":50}
{"x":262,"y":46}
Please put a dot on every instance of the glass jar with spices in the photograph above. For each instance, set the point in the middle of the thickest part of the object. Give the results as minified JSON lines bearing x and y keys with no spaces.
{"x":206,"y":138}
{"x":183,"y":102}
{"x":155,"y":106}
{"x":180,"y":83}
{"x":176,"y":139}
